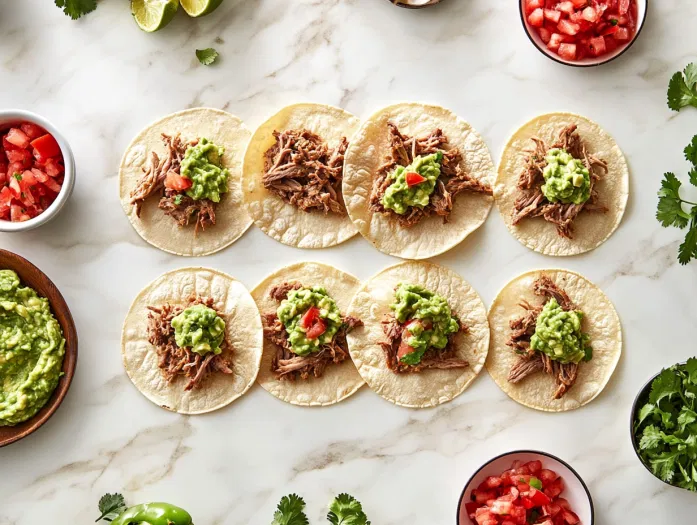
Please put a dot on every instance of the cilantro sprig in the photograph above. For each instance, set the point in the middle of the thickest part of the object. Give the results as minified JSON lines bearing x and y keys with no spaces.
{"x":673,"y":210}
{"x":290,"y":511}
{"x":207,"y":56}
{"x":110,"y":506}
{"x":682,"y":89}
{"x":667,"y":426}
{"x":346,"y":510}
{"x":76,"y":8}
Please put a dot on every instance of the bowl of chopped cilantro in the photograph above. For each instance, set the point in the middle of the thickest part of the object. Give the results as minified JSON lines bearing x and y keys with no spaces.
{"x":664,"y":425}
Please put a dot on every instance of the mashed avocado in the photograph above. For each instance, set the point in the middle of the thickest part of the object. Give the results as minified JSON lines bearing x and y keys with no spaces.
{"x":203,"y":166}
{"x":566,"y":179}
{"x":399,"y":197}
{"x":436,"y":321}
{"x":292,"y":310}
{"x":199,"y":328}
{"x":31,"y":350}
{"x":558,"y":334}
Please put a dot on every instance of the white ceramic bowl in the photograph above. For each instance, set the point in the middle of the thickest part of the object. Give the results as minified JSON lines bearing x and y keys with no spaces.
{"x":576,"y":492}
{"x":16,"y":116}
{"x":642,"y":8}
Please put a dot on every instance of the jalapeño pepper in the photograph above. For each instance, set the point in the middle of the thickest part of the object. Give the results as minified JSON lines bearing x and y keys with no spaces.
{"x":153,"y":514}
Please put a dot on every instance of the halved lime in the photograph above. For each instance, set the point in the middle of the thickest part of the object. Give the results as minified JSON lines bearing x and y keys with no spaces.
{"x":200,"y":7}
{"x":152,"y":15}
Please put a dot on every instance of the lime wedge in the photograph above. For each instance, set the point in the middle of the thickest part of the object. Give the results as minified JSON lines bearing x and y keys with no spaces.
{"x":200,"y":7}
{"x":152,"y":15}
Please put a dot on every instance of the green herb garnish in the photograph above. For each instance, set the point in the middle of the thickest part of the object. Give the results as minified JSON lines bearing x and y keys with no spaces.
{"x":614,"y":21}
{"x":667,"y":426}
{"x":535,"y":483}
{"x":207,"y":56}
{"x":76,"y":8}
{"x":110,"y":506}
{"x":178,"y":199}
{"x":290,"y":511}
{"x":681,"y":89}
{"x":346,"y":510}
{"x":17,"y":176}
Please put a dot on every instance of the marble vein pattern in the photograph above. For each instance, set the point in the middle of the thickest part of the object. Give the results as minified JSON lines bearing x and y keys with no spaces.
{"x":101,"y":79}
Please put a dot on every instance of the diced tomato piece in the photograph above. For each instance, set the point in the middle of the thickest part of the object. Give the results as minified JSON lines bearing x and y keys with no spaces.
{"x":508,"y":522}
{"x":591,"y":14}
{"x":17,"y":137}
{"x":28,"y":178}
{"x":546,"y":522}
{"x":46,"y":147}
{"x":578,"y":4}
{"x":555,"y":41}
{"x":492,"y":482}
{"x":518,"y":515}
{"x":484,"y":516}
{"x":622,"y":33}
{"x":570,"y":517}
{"x":482,"y":496}
{"x":52,"y":185}
{"x":566,"y":7}
{"x":534,"y":466}
{"x":535,"y":19}
{"x":31,"y":130}
{"x":531,"y":5}
{"x":552,"y":15}
{"x":19,"y":155}
{"x":501,"y":507}
{"x":539,"y":498}
{"x":568,"y":28}
{"x":5,"y":197}
{"x":547,"y":476}
{"x":176,"y":182}
{"x":624,"y":6}
{"x":14,"y":186}
{"x":563,"y":503}
{"x":412,"y":178}
{"x":53,"y":168}
{"x":39,"y":175}
{"x":555,"y":488}
{"x":309,"y":317}
{"x":545,"y":35}
{"x":317,"y":329}
{"x":15,"y":213}
{"x":597,"y":46}
{"x":471,"y":507}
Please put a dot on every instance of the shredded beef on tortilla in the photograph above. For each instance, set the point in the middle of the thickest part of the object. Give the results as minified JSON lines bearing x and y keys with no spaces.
{"x":452,"y":180}
{"x":174,"y":361}
{"x":434,"y":358}
{"x":302,"y":170}
{"x":532,"y":203}
{"x":286,"y":365}
{"x":182,"y":208}
{"x":531,"y":361}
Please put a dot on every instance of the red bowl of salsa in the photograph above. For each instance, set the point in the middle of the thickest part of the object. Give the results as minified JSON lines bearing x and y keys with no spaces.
{"x":583,"y":33}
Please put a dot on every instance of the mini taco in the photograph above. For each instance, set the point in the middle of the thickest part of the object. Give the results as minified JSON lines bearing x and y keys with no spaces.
{"x":425,"y":335}
{"x":293,"y":170}
{"x":556,"y":339}
{"x":417,"y":180}
{"x":192,"y":340}
{"x":562,"y":184}
{"x":180,"y":182}
{"x":306,"y":359}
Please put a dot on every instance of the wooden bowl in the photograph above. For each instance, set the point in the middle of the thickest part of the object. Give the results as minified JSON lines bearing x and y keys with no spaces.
{"x":31,"y":276}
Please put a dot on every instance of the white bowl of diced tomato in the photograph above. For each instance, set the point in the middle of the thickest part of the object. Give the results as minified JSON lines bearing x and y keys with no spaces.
{"x":525,"y":487}
{"x":583,"y":33}
{"x":37,"y":171}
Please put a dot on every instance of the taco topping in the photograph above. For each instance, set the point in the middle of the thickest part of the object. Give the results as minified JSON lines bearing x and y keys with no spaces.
{"x":548,"y":338}
{"x":308,"y":330}
{"x":190,"y":340}
{"x":421,"y":331}
{"x":189,"y":181}
{"x":558,"y":182}
{"x":303,"y":171}
{"x":421,"y":177}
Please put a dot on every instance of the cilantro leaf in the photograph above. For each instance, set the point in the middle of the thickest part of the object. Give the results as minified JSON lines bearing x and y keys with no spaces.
{"x":670,"y":211}
{"x":681,"y":89}
{"x":76,"y":8}
{"x":645,"y":412}
{"x":688,"y":248}
{"x":207,"y":56}
{"x":691,"y":370}
{"x":290,"y":511}
{"x":663,"y":465}
{"x":691,"y":151}
{"x":110,"y":506}
{"x":346,"y":510}
{"x":665,"y":385}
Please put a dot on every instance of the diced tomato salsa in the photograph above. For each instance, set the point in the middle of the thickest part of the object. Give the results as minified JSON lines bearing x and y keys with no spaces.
{"x":526,"y":494}
{"x":31,"y":172}
{"x":578,"y":29}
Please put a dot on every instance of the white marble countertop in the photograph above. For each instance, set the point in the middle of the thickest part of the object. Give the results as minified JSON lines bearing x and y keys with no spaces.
{"x":100,"y":80}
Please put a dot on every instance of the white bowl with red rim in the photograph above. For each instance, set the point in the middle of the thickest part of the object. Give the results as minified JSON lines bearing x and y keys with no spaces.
{"x":575,"y":492}
{"x":11,"y":117}
{"x":536,"y":39}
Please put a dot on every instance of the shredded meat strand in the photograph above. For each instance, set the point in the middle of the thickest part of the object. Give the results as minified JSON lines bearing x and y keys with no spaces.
{"x":452,"y":180}
{"x":529,"y":361}
{"x":531,"y":202}
{"x":302,"y":170}
{"x":174,"y":361}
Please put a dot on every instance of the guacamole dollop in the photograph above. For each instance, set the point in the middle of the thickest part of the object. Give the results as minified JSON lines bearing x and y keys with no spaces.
{"x":566,"y":179}
{"x":432,"y":310}
{"x":292,"y":309}
{"x":199,"y":328}
{"x":558,"y":334}
{"x":202,"y":165}
{"x":399,"y":196}
{"x":32,"y":348}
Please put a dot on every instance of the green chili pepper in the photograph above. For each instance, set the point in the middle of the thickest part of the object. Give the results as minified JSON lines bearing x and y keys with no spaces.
{"x":153,"y":514}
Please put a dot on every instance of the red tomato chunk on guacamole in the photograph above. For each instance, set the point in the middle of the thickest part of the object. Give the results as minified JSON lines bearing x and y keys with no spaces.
{"x":525,"y":494}
{"x":578,"y":29}
{"x":31,"y":172}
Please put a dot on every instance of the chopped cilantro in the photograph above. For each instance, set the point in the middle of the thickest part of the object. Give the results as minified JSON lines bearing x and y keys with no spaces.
{"x":17,"y":176}
{"x":207,"y":56}
{"x":178,"y":200}
{"x":614,"y":21}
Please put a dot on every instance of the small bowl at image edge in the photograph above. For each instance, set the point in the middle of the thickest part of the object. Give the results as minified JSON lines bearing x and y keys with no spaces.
{"x":31,"y":276}
{"x":16,"y":116}
{"x":642,"y":8}
{"x":575,"y":492}
{"x":414,"y":4}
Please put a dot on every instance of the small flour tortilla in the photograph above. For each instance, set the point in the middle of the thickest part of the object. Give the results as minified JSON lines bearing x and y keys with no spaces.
{"x":339,"y":381}
{"x":590,"y":229}
{"x":429,"y":387}
{"x":278,"y":219}
{"x":244,"y":332}
{"x":368,"y":151}
{"x":162,"y":231}
{"x":600,"y":322}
